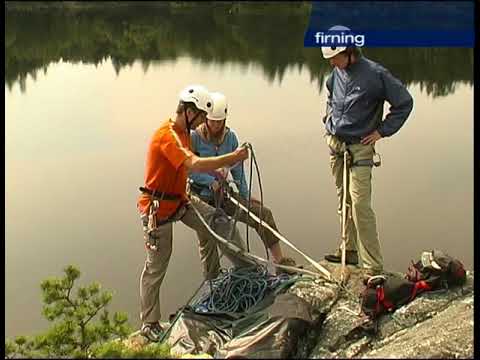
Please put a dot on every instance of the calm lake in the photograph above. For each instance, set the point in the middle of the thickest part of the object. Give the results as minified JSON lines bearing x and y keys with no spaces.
{"x":85,"y":90}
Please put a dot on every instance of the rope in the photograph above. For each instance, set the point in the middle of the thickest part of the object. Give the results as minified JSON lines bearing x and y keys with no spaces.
{"x":326,"y":274}
{"x":253,"y":161}
{"x":259,"y":178}
{"x":323,"y":270}
{"x":239,"y":289}
{"x":249,"y":195}
{"x":251,"y":258}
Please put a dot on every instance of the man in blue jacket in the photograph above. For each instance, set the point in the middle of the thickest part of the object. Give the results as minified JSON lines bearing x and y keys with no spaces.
{"x":357,"y":88}
{"x":213,"y":138}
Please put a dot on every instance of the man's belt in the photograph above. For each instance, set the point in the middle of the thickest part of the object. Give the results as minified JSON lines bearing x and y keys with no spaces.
{"x":348,"y":140}
{"x":361,"y":162}
{"x":161,"y":195}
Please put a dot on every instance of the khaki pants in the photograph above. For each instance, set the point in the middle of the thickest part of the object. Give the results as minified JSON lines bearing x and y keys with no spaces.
{"x":157,"y":261}
{"x":255,"y":208}
{"x":362,"y":233}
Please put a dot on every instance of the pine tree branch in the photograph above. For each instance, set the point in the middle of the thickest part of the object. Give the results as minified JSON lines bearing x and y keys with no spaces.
{"x":96,"y":312}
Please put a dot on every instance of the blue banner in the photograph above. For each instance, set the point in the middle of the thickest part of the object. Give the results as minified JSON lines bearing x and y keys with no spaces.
{"x":391,"y":24}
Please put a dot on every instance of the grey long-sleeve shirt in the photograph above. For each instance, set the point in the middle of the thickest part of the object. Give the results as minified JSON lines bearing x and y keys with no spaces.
{"x":356,"y":97}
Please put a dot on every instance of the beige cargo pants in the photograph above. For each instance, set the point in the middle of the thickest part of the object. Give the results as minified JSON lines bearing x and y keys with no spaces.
{"x":362,"y":233}
{"x":267,"y":236}
{"x":157,"y":261}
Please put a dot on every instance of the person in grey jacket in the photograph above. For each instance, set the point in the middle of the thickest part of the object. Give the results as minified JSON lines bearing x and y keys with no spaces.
{"x":357,"y":89}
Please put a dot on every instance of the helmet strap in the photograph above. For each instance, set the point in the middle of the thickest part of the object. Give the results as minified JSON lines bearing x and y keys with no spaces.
{"x":189,"y":123}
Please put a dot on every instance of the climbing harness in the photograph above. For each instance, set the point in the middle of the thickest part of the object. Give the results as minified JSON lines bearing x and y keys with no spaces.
{"x":150,"y":226}
{"x":150,"y":221}
{"x":160,"y":195}
{"x":376,"y":161}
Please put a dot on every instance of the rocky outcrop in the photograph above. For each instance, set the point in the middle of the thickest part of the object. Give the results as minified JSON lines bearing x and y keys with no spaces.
{"x":434,"y":325}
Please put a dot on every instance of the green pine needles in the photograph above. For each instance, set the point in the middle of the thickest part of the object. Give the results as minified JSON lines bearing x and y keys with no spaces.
{"x":82,"y":326}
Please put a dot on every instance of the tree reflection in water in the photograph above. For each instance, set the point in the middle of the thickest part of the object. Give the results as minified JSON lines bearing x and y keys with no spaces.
{"x":271,"y":38}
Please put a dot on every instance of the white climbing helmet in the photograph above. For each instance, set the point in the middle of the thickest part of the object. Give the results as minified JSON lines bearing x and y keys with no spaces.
{"x":219,"y":110}
{"x":330,"y":51}
{"x":199,"y":95}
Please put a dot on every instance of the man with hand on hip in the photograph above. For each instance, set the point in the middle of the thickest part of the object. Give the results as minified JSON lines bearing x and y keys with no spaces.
{"x":357,"y":88}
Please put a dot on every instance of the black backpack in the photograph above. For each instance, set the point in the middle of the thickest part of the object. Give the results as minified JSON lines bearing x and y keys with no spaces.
{"x":434,"y":271}
{"x":437,"y":269}
{"x":386,"y":293}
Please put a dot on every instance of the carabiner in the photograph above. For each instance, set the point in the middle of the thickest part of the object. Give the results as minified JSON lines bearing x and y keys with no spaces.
{"x":377,"y":162}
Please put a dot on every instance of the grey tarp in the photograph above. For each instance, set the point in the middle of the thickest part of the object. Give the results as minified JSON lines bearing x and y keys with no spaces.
{"x":270,"y":329}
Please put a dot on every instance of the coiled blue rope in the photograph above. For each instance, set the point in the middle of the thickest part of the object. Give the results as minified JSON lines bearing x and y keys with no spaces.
{"x":238,"y":289}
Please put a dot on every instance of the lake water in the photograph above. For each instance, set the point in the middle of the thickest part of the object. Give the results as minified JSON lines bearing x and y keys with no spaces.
{"x":85,"y":91}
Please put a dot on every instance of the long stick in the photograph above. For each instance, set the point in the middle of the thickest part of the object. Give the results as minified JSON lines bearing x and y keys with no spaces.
{"x":251,"y":257}
{"x":319,"y":267}
{"x":344,"y":214}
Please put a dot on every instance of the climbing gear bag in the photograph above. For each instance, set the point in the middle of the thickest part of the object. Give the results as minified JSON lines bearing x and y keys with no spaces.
{"x":438,"y":269}
{"x":385,"y":293}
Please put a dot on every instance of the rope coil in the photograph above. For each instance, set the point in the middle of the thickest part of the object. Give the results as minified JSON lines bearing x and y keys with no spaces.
{"x":238,"y":289}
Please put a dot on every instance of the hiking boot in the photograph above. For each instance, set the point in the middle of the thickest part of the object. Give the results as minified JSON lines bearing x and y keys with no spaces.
{"x":288,"y":261}
{"x":351,"y":257}
{"x":152,"y":331}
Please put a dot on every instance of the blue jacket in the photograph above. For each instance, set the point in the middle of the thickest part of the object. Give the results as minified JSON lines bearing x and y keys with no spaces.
{"x":203,"y":148}
{"x":356,"y":97}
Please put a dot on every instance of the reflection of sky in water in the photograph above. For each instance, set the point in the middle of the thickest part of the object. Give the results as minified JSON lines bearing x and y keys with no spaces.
{"x":75,"y":148}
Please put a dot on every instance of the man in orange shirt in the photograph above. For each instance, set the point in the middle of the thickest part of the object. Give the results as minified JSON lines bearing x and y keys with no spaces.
{"x":164,"y":201}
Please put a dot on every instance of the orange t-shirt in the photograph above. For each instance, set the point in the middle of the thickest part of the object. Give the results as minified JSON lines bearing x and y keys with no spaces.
{"x":164,"y":171}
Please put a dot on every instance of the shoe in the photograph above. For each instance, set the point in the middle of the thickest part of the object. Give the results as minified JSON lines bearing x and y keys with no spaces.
{"x":351,"y":257}
{"x":373,"y":274}
{"x":288,"y":261}
{"x":152,"y":331}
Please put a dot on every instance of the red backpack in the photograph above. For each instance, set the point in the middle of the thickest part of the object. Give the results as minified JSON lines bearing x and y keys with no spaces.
{"x":435,"y":270}
{"x":386,"y":293}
